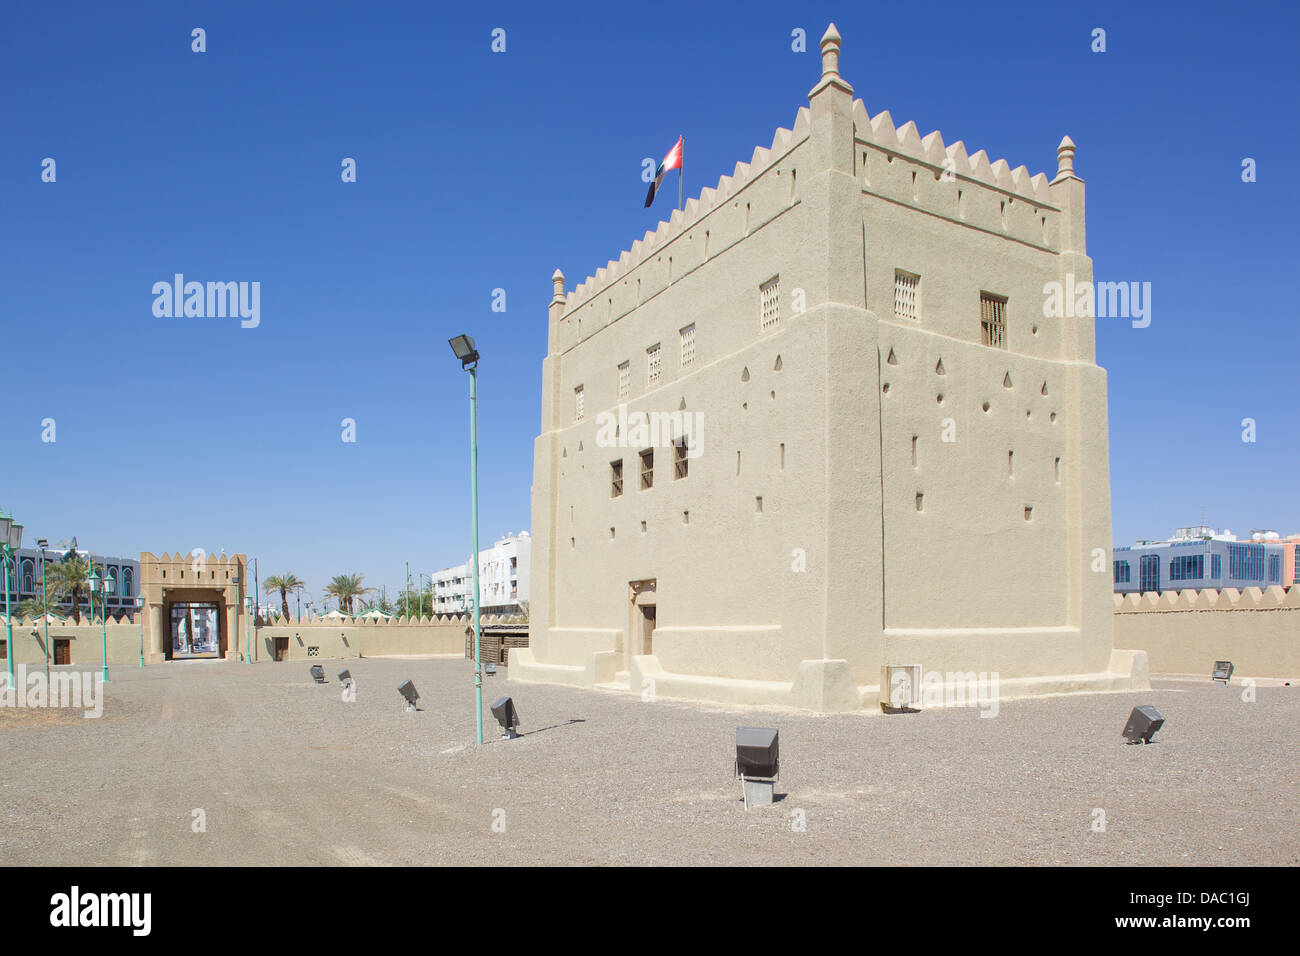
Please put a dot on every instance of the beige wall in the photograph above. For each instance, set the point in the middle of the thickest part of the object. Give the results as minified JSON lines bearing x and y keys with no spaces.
{"x":1185,"y":633}
{"x":341,"y":638}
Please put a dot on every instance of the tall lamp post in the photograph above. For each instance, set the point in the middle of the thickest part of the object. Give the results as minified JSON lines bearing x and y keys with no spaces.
{"x":463,"y":347}
{"x":43,"y":543}
{"x":11,"y":539}
{"x":250,"y":603}
{"x":103,"y":586}
{"x":139,"y":610}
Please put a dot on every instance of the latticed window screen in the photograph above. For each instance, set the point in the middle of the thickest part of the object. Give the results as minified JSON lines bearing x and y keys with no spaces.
{"x":906,"y":295}
{"x":654,"y":364}
{"x":615,"y":478}
{"x":625,"y":380}
{"x":579,"y":404}
{"x":688,"y":346}
{"x":647,"y":469}
{"x":769,"y":304}
{"x":993,"y":320}
{"x":681,"y":463}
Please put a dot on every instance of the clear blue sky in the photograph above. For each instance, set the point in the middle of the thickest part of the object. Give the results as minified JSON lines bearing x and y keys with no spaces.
{"x":479,"y":170}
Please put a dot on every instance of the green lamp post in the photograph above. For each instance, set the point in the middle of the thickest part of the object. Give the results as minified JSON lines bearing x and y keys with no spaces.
{"x":139,"y":611}
{"x":11,"y":539}
{"x":251,"y":629}
{"x":42,"y":543}
{"x":103,"y":586}
{"x":465,"y":350}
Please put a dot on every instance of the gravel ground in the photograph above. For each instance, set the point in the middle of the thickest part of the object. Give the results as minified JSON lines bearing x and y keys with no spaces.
{"x":286,"y":772}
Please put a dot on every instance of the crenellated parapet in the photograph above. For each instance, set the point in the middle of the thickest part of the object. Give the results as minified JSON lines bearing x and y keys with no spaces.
{"x":1209,"y":599}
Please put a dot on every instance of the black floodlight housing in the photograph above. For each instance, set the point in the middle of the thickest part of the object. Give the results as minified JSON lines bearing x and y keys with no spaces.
{"x":1222,"y":671}
{"x":408,"y":691}
{"x":1142,"y":724}
{"x":490,"y":668}
{"x":318,"y":673}
{"x":463,"y":346}
{"x":757,"y":752}
{"x":503,"y":709}
{"x":345,"y":677}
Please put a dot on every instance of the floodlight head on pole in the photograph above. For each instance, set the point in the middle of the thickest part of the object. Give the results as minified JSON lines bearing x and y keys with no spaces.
{"x":42,"y":543}
{"x":463,"y":346}
{"x":503,"y":709}
{"x":1222,"y":671}
{"x":408,"y":691}
{"x":318,"y":673}
{"x":1142,"y":724}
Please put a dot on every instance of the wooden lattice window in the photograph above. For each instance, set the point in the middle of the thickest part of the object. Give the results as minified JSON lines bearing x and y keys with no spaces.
{"x":681,"y":458}
{"x":769,"y":304}
{"x":616,"y":478}
{"x":647,"y":469}
{"x":993,"y":320}
{"x":907,"y":295}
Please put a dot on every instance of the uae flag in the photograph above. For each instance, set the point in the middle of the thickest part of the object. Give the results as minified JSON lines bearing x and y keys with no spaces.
{"x":672,"y":161}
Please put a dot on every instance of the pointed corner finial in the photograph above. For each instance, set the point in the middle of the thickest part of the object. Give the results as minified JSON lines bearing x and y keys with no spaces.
{"x":831,"y":52}
{"x":1065,"y":158}
{"x":557,"y":281}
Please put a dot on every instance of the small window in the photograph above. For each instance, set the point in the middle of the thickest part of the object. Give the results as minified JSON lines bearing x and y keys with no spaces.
{"x":578,"y":404}
{"x":688,"y":346}
{"x":1122,"y":572}
{"x":625,"y":380}
{"x":993,"y":320}
{"x":653,"y":364}
{"x":681,"y":460}
{"x":769,"y":304}
{"x":647,"y":469}
{"x":907,"y":295}
{"x":616,"y":478}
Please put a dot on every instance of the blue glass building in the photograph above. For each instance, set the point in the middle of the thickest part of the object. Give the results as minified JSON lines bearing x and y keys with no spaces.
{"x":1198,"y":562}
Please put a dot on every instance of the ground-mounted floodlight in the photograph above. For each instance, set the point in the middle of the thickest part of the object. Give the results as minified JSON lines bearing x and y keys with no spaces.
{"x":1142,"y":724}
{"x":900,"y":688}
{"x":1222,"y":671}
{"x":318,"y":673}
{"x":503,"y":709}
{"x":345,"y":678}
{"x":757,"y":763}
{"x":411,"y":695}
{"x":490,"y":669}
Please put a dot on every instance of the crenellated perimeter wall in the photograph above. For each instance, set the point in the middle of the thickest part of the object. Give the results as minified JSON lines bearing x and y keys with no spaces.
{"x":331,"y":637}
{"x":1187,"y":631}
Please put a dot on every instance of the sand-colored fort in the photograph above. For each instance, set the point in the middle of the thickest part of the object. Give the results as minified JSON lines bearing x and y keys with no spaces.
{"x":883,"y":452}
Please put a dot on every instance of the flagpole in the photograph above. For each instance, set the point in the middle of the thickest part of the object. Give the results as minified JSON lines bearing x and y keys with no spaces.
{"x":681,"y":172}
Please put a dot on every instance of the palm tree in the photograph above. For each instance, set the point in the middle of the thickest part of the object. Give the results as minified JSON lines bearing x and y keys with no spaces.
{"x":345,"y":587}
{"x":286,"y":584}
{"x":68,"y":579}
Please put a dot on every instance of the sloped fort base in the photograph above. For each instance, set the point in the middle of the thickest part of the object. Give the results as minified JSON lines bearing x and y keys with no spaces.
{"x":826,"y":686}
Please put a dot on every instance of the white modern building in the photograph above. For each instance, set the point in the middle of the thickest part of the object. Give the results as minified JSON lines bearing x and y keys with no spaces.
{"x":503,"y":579}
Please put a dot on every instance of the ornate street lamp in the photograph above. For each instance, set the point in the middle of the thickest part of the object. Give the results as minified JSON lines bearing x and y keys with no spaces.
{"x":139,"y":610}
{"x":43,"y":543}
